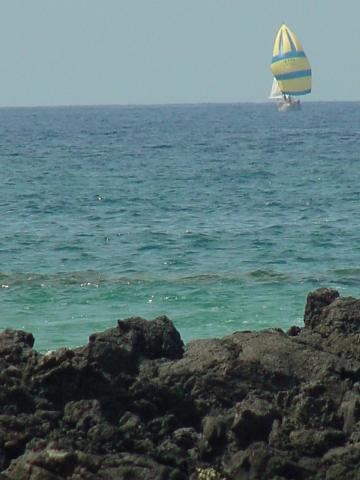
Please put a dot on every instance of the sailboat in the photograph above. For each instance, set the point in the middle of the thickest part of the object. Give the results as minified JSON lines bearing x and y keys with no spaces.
{"x":291,"y":70}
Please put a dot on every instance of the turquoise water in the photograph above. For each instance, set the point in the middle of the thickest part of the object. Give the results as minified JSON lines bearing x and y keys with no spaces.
{"x":222,"y":217}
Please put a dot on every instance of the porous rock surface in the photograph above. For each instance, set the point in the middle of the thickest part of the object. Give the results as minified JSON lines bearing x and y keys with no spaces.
{"x":136,"y":404}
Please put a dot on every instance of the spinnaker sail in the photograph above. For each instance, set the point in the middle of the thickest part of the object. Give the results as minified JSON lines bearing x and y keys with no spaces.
{"x":290,"y":66}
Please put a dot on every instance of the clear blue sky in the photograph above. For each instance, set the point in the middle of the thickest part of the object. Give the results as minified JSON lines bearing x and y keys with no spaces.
{"x":61,"y":52}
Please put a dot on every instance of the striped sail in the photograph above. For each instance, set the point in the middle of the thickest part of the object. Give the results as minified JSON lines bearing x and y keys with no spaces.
{"x":289,"y":65}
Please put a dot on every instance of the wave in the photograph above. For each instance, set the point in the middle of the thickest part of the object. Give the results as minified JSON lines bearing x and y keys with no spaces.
{"x":91,"y":277}
{"x":87,"y":278}
{"x":268,"y":275}
{"x":60,"y":279}
{"x":346,"y":276}
{"x":160,"y":146}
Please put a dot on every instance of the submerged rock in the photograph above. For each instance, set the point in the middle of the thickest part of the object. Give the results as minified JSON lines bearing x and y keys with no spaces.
{"x":135,"y":403}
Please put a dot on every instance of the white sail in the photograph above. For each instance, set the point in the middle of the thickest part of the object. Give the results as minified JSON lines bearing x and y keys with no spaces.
{"x":275,"y":90}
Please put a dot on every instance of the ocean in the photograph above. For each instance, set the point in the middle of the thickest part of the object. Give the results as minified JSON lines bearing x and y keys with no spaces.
{"x":222,"y":216}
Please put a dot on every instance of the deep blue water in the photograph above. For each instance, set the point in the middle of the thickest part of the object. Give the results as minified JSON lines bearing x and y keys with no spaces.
{"x":222,"y":217}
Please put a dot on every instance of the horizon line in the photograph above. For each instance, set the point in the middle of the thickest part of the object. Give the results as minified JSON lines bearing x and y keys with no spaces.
{"x":172,"y":104}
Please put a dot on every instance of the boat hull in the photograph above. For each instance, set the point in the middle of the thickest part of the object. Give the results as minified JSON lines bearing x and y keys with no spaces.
{"x":289,"y":106}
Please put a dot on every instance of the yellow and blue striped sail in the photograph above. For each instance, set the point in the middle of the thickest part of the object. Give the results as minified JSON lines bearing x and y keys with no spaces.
{"x":289,"y":65}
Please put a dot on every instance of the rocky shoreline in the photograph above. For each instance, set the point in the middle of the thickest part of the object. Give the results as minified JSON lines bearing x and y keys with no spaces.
{"x":137,"y":404}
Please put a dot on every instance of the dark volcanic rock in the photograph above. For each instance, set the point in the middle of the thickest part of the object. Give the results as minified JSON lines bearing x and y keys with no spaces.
{"x":135,"y":404}
{"x":316,"y":302}
{"x":120,"y":349}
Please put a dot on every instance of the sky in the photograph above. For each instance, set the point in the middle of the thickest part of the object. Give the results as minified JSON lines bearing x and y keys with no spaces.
{"x":91,"y":52}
